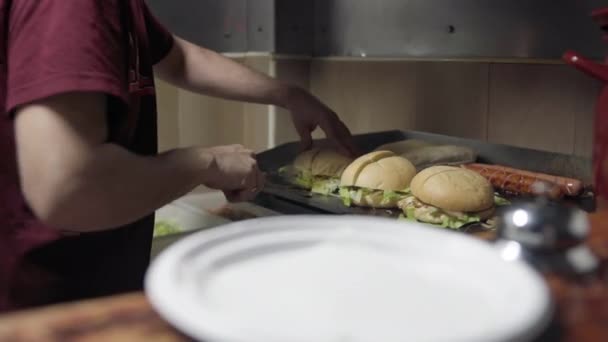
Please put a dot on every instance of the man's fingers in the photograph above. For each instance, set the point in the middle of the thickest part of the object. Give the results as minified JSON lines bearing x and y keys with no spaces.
{"x":305,"y":138}
{"x":236,"y":196}
{"x":340,"y":136}
{"x":346,"y":139}
{"x":231,"y":195}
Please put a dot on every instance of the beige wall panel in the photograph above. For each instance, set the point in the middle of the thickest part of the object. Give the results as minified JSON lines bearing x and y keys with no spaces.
{"x":369,"y":96}
{"x":546,"y":107}
{"x":588,"y":90}
{"x":207,"y":121}
{"x":452,"y":98}
{"x":535,"y":106}
{"x":168,"y":115}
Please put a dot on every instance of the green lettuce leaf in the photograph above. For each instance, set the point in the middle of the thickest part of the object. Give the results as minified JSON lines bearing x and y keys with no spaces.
{"x":409,"y":213}
{"x":501,"y":201}
{"x":455,"y":223}
{"x":350,"y":194}
{"x":303,"y":179}
{"x":415,"y":210}
{"x":325,"y":186}
{"x":163,"y":228}
{"x":393,"y":196}
{"x":357,"y":194}
{"x":345,"y":196}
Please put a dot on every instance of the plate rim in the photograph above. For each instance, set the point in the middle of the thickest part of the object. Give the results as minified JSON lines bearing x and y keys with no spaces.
{"x":154,"y":284}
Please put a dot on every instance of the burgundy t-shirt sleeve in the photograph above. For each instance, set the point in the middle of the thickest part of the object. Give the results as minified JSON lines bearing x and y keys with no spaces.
{"x":59,"y":46}
{"x":161,"y":40}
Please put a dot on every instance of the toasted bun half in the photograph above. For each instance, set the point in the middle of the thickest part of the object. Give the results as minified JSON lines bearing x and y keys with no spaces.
{"x":380,"y":170}
{"x":303,"y":160}
{"x":440,"y":155}
{"x":454,"y":189}
{"x":486,"y":214}
{"x":322,"y":162}
{"x":404,"y":146}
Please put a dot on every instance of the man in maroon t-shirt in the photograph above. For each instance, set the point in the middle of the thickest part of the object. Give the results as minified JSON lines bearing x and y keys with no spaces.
{"x":79,"y":174}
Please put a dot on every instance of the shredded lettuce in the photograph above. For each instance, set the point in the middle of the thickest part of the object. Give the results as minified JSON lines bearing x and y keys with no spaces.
{"x":299,"y":178}
{"x":348,"y":194}
{"x":353,"y":194}
{"x":357,"y":194}
{"x":325,"y":186}
{"x":345,"y":196}
{"x":394,"y":196}
{"x":455,"y":223}
{"x":409,"y":213}
{"x":303,"y":179}
{"x":501,"y":201}
{"x":163,"y":228}
{"x":415,"y":210}
{"x":391,"y":195}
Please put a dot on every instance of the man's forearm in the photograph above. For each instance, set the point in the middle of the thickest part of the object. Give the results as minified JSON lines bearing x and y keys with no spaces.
{"x":204,"y":71}
{"x":115,"y":187}
{"x":74,"y":180}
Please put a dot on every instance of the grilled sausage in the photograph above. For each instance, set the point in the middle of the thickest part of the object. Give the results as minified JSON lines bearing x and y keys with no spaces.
{"x":521,"y":182}
{"x":569,"y":186}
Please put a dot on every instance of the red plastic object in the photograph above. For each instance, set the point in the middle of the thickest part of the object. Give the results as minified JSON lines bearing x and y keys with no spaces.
{"x":600,"y":146}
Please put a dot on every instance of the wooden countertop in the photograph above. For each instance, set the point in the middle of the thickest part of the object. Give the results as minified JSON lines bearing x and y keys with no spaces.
{"x":581,"y":316}
{"x":121,"y":318}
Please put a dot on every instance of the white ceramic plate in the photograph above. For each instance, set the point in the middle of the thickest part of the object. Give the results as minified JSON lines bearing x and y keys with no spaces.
{"x":344,"y":278}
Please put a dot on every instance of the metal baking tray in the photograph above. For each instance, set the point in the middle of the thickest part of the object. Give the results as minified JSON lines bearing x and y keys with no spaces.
{"x":284,"y":198}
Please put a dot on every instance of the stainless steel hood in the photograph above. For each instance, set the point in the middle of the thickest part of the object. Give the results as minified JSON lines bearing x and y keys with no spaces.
{"x":425,"y":29}
{"x":274,"y":26}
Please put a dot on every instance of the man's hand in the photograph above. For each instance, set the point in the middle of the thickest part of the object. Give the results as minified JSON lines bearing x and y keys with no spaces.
{"x":308,"y":113}
{"x":234,"y":170}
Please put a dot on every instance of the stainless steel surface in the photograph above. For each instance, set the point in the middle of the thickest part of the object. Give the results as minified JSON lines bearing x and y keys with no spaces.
{"x":282,"y":26}
{"x":261,"y":23}
{"x":388,"y":28}
{"x":279,"y":196}
{"x":528,"y":159}
{"x":456,"y":29}
{"x":217,"y":24}
{"x":550,"y":236}
{"x":295,"y":26}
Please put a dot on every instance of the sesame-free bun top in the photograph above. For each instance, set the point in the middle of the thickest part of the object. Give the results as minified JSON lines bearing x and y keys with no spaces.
{"x":380,"y":170}
{"x":322,"y":162}
{"x":453,"y":188}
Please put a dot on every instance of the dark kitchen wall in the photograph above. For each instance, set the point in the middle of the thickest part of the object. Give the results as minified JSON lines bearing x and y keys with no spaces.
{"x":539,"y":29}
